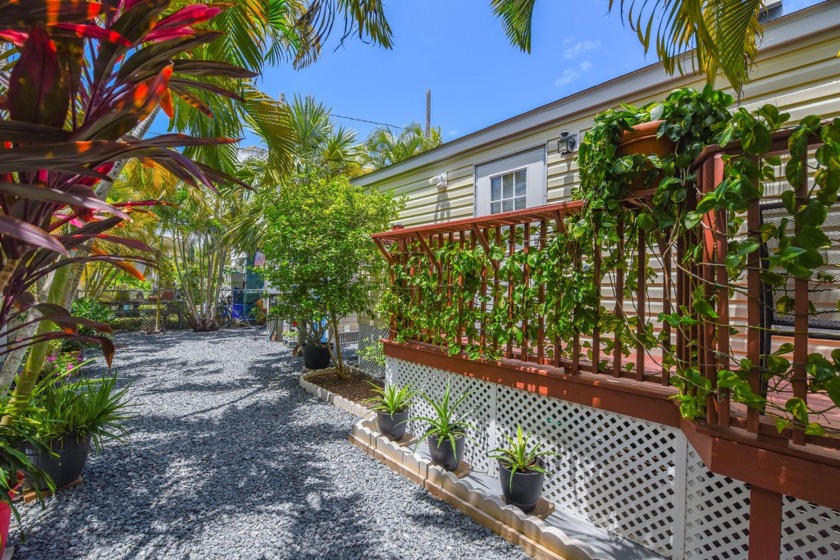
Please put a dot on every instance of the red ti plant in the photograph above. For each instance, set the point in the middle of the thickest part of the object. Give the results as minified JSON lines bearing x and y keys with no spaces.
{"x":84,"y":76}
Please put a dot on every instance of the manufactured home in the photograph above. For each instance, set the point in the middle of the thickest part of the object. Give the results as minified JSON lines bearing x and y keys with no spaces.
{"x":633,"y":479}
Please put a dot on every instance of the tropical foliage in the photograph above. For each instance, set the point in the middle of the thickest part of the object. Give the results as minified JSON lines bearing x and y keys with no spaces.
{"x":518,"y":454}
{"x":384,"y":148}
{"x":446,"y":423}
{"x":319,"y":253}
{"x":450,"y":294}
{"x":87,"y":75}
{"x":92,"y":408}
{"x":723,"y":33}
{"x":391,"y":399}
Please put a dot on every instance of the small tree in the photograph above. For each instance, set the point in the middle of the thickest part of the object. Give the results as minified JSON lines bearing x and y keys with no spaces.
{"x":319,"y":252}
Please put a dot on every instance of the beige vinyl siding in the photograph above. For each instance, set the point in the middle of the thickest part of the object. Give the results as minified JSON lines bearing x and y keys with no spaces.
{"x":801,"y":77}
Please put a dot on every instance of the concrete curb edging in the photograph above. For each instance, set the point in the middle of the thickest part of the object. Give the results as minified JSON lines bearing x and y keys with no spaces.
{"x":529,"y":532}
{"x":336,"y":400}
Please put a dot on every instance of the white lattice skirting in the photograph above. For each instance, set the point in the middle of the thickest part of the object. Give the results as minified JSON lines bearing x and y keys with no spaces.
{"x":640,"y":480}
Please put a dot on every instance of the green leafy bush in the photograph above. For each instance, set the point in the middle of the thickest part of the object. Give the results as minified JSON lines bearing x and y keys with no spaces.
{"x":319,"y":253}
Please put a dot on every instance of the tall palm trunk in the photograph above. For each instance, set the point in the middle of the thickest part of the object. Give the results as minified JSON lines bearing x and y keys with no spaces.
{"x":11,"y":364}
{"x":37,"y":352}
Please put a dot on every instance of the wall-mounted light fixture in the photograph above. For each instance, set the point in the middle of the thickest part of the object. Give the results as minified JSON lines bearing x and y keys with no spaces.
{"x":439,"y":181}
{"x":567,"y":142}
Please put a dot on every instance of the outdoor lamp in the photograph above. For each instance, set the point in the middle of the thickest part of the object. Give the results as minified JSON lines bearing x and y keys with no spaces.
{"x":567,"y":142}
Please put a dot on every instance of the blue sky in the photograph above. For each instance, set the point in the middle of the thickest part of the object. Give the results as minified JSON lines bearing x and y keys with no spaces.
{"x":459,"y":50}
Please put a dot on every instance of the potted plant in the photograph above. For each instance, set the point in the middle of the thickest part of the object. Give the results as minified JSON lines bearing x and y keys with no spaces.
{"x":68,"y":416}
{"x":634,"y":148}
{"x":15,"y":435}
{"x":521,"y":470}
{"x":445,"y":431}
{"x":392,"y":406}
{"x":316,"y":352}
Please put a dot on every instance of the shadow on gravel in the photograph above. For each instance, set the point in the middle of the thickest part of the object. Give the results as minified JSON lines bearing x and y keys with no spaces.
{"x":255,"y":452}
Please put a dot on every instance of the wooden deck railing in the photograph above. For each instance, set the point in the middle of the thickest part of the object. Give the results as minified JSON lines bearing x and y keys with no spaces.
{"x":491,"y":288}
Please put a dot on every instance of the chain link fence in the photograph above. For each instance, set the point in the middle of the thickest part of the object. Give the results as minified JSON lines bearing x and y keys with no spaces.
{"x":137,"y":310}
{"x":371,"y":356}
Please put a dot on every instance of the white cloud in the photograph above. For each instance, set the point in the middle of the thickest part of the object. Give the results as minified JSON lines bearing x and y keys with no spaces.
{"x":569,"y":75}
{"x":579,"y":48}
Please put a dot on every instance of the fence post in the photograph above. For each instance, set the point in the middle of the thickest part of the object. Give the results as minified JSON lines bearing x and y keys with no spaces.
{"x":680,"y":496}
{"x":765,"y":524}
{"x":492,"y":435}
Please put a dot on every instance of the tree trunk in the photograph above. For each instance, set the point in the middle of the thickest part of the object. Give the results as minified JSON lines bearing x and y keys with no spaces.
{"x":11,"y":364}
{"x":339,"y":361}
{"x":37,"y":352}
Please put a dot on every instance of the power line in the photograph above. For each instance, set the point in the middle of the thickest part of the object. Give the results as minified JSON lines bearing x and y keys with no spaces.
{"x":364,"y":120}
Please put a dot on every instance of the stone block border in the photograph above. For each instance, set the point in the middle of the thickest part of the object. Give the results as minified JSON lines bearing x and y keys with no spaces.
{"x":336,"y":400}
{"x":536,"y":538}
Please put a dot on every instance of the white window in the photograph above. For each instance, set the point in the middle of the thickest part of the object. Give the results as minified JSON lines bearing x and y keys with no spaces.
{"x":507,"y":191}
{"x":512,"y":183}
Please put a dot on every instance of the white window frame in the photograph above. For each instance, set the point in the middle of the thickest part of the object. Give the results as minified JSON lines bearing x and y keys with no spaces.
{"x":534,"y":163}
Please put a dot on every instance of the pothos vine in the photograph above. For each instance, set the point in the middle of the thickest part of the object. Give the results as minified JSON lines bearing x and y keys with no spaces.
{"x":476,"y":300}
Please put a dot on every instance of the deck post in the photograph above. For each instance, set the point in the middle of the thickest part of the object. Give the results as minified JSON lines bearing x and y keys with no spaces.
{"x":765,"y":524}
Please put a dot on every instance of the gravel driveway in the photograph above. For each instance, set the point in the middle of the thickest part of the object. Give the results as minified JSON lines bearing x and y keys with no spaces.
{"x":230,"y":458}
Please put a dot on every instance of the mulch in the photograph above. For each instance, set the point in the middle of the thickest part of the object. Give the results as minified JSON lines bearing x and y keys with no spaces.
{"x":355,"y":386}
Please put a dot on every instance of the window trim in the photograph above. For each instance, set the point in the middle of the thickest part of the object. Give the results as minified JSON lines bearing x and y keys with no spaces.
{"x":542,"y":195}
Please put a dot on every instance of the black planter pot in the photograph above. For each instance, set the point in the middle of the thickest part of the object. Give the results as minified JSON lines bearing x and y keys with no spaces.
{"x":67,"y":467}
{"x":443,"y":455}
{"x":316,"y":357}
{"x":525,"y":490}
{"x":393,"y":425}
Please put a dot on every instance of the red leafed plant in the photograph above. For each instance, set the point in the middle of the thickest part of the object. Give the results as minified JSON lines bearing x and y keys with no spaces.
{"x":82,"y":76}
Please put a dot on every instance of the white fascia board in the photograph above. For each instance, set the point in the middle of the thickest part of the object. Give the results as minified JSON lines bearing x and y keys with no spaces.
{"x":778,"y":33}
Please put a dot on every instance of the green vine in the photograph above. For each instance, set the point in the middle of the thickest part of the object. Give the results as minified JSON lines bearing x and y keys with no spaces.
{"x":480,"y":301}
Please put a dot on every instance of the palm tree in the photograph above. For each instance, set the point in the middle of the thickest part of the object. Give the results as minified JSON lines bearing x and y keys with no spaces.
{"x":724,"y":33}
{"x":383,"y":148}
{"x":317,"y":143}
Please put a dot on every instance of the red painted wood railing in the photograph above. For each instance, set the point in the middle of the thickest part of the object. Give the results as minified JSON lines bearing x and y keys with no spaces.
{"x":708,"y":345}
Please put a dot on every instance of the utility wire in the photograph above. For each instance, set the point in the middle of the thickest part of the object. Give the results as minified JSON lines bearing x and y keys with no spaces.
{"x":365,"y":121}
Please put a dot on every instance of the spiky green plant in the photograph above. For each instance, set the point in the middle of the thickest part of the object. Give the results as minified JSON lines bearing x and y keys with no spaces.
{"x":391,"y":399}
{"x":519,"y":455}
{"x":446,"y":424}
{"x":88,"y":407}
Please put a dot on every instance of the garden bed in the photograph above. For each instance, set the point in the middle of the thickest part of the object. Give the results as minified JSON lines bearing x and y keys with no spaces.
{"x":356,"y":386}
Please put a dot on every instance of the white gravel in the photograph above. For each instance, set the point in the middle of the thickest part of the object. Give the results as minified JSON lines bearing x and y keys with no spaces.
{"x":229,"y":458}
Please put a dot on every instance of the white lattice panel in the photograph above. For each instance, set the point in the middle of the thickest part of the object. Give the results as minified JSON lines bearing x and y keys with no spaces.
{"x":717,"y":516}
{"x":638,"y":479}
{"x":809,"y":530}
{"x":476,"y":410}
{"x":613,"y":470}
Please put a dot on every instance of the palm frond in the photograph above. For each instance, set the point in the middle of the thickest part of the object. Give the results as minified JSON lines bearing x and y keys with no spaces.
{"x":516,"y":16}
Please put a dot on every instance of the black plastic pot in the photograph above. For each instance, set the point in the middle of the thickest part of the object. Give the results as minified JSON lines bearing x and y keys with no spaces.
{"x":525,"y":490}
{"x":393,"y":425}
{"x":316,"y":357}
{"x":68,"y":466}
{"x":443,"y":455}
